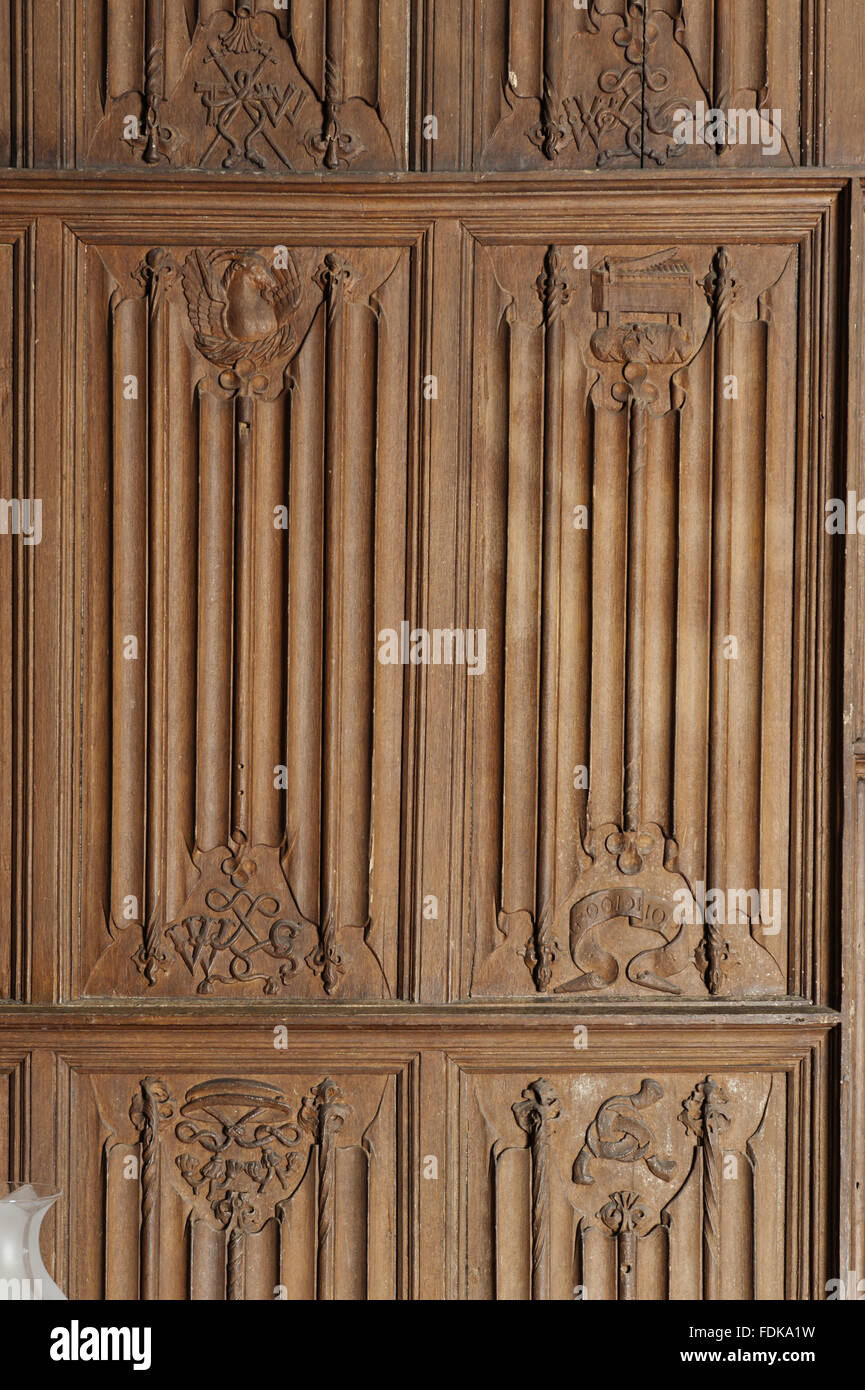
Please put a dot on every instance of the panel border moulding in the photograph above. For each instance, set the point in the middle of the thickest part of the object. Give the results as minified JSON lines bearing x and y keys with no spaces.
{"x":816,"y":225}
{"x":852,"y":967}
{"x":801,"y":207}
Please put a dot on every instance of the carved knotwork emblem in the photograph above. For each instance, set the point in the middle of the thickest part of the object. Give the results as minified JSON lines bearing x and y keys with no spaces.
{"x":247,"y":1140}
{"x":239,"y":102}
{"x":242,"y":310}
{"x":620,"y":1132}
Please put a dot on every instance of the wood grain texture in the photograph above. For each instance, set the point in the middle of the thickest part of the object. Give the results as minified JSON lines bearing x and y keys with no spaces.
{"x":351,"y":85}
{"x":528,"y":975}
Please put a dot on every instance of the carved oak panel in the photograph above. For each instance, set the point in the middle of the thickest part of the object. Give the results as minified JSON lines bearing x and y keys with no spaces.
{"x":641,"y":825}
{"x":246,"y":433}
{"x":278,"y":1185}
{"x":637,"y":1185}
{"x":639,"y":83}
{"x":210,"y":85}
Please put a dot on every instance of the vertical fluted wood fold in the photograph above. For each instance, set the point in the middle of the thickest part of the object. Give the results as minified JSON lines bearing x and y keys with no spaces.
{"x":487,"y":697}
{"x":305,"y":595}
{"x":181,"y":622}
{"x":609,"y":568}
{"x":206,"y":1256}
{"x":129,"y":704}
{"x":244,"y":516}
{"x":522,"y":596}
{"x":722,"y":53}
{"x":554,"y":288}
{"x":524,"y":48}
{"x":746,"y":594}
{"x":722,"y":562}
{"x":159,"y":533}
{"x":776,"y":867}
{"x":551,"y":130}
{"x":659,"y":654}
{"x":626,"y":1256}
{"x":335,"y":275}
{"x":356,"y":638}
{"x":389,"y":807}
{"x":575,"y":627}
{"x":125,"y":32}
{"x":636,"y":605}
{"x":214,"y":678}
{"x":692,"y":664}
{"x":268,"y":622}
{"x":176,"y":42}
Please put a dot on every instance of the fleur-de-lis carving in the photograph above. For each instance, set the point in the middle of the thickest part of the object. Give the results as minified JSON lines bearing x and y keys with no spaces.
{"x":624,"y":1212}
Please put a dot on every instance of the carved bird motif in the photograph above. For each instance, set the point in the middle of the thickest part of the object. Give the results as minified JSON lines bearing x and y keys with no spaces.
{"x":240,"y":307}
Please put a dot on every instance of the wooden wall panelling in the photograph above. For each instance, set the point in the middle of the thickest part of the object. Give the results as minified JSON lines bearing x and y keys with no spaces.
{"x":264,"y":380}
{"x":534,"y":84}
{"x":249,"y":1176}
{"x":628,"y":422}
{"x":587,"y":1183}
{"x":160,"y":1201}
{"x":36,"y":864}
{"x":244,"y":86}
{"x":257,"y":476}
{"x":597,"y":86}
{"x":852,"y":723}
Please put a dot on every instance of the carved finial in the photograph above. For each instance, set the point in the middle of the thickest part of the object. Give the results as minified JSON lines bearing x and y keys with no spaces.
{"x":149,"y":1105}
{"x":553,"y":284}
{"x":322,"y":1109}
{"x":335,"y":275}
{"x":552,"y":130}
{"x":703,"y":1113}
{"x":240,"y":37}
{"x":539,"y":1106}
{"x":156,"y":274}
{"x":720,"y":287}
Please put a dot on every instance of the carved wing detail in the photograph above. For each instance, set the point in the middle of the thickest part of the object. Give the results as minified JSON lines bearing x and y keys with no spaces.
{"x":205,"y":298}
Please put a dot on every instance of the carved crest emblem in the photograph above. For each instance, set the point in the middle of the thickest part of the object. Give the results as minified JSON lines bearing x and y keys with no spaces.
{"x":241,"y":309}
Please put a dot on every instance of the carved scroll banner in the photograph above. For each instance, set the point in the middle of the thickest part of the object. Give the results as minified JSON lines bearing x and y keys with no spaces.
{"x":631,"y":453}
{"x":255,"y":434}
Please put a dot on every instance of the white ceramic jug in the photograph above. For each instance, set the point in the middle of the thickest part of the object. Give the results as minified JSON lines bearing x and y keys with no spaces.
{"x":22,"y":1273}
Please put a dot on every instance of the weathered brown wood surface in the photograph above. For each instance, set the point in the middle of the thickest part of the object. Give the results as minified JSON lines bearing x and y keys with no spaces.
{"x":527,"y":964}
